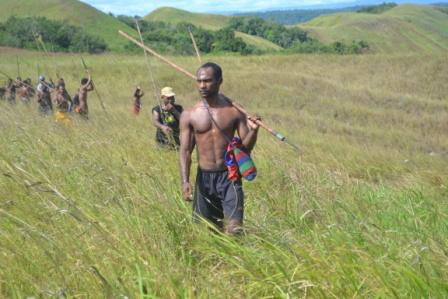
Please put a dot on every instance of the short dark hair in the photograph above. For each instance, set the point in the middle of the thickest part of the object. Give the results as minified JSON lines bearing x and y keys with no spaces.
{"x":84,"y":81}
{"x":217,"y":71}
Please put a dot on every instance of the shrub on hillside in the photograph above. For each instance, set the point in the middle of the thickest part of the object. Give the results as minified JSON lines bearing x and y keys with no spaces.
{"x":174,"y":39}
{"x":314,"y":46}
{"x":377,"y":9}
{"x":276,"y":33}
{"x":37,"y":32}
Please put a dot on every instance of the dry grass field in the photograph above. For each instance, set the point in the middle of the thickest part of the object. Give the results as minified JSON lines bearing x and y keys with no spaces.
{"x":94,"y":209}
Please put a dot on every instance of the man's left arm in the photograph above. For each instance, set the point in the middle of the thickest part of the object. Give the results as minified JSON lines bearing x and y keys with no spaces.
{"x":248,"y":131}
{"x":176,"y":111}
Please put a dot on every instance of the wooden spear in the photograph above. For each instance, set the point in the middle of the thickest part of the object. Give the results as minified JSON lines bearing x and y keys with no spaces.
{"x":274,"y":133}
{"x":198,"y":55}
{"x":94,"y":87}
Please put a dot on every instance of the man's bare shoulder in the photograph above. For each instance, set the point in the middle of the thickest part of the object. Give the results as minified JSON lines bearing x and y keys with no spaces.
{"x":228,"y":103}
{"x":224,"y":99}
{"x":190,"y":112}
{"x":195,"y":108}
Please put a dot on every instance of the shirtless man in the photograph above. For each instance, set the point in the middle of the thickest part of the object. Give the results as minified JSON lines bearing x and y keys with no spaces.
{"x":65,"y":94}
{"x":86,"y":86}
{"x":62,"y":101}
{"x":216,"y":198}
{"x":25,"y":91}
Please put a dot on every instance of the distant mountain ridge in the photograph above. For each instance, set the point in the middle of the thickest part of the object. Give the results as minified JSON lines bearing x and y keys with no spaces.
{"x":294,"y":16}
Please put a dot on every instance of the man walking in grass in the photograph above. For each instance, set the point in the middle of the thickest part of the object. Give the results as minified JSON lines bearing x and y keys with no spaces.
{"x":136,"y":100}
{"x":11,"y":89}
{"x":62,"y":101}
{"x":44,"y":96}
{"x":25,"y":91}
{"x":211,"y":125}
{"x":166,"y":117}
{"x":86,"y":85}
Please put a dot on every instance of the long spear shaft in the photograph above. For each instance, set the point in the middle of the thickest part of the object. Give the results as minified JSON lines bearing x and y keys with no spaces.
{"x":96,"y":91}
{"x":157,"y":55}
{"x":18,"y":66}
{"x":274,"y":133}
{"x":198,"y":54}
{"x":39,"y":39}
{"x":153,"y":81}
{"x":155,"y":90}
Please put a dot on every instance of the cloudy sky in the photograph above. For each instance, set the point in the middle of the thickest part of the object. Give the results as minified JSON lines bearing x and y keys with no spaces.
{"x":142,"y":7}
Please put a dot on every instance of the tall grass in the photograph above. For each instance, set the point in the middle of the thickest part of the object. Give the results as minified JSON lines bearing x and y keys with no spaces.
{"x":95,"y":210}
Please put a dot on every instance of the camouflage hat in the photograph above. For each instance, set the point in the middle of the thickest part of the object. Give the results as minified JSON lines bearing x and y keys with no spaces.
{"x":167,"y":92}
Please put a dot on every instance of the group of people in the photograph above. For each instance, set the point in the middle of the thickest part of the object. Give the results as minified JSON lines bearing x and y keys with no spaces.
{"x":210,"y":126}
{"x":48,"y":93}
{"x":19,"y":88}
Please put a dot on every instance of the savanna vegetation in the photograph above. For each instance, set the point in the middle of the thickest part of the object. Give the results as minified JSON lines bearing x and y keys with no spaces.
{"x":95,"y":209}
{"x":175,"y":39}
{"x":293,"y":39}
{"x":398,"y":30}
{"x":377,"y":9}
{"x":42,"y":33}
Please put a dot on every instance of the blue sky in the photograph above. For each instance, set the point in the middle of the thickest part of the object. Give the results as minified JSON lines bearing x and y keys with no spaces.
{"x":142,"y":7}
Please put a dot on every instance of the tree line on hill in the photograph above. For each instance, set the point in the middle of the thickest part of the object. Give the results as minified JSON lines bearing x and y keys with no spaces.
{"x":174,"y":39}
{"x":294,"y":39}
{"x":167,"y":38}
{"x":377,"y":9}
{"x":56,"y":36}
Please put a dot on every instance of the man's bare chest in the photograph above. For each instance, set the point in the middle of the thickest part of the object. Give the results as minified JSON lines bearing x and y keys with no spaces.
{"x":213,"y":120}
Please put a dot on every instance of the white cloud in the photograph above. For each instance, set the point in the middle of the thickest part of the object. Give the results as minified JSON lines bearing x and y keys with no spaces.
{"x":143,"y":7}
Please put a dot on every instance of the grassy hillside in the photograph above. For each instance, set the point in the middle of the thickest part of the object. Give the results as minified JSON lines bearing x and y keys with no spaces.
{"x":207,"y":21}
{"x":257,"y":41}
{"x":95,"y":210}
{"x":75,"y":12}
{"x":174,"y":15}
{"x":401,"y":29}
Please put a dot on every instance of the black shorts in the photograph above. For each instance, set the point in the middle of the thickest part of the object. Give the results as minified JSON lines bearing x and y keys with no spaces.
{"x":216,"y":197}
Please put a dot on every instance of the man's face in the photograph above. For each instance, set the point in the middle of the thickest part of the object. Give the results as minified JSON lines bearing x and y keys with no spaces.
{"x":168,"y":100}
{"x":206,"y":83}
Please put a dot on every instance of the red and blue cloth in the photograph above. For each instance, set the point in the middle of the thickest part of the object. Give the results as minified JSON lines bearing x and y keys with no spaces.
{"x":239,"y":162}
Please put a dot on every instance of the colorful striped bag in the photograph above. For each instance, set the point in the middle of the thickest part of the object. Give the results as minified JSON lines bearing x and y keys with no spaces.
{"x":238,"y":161}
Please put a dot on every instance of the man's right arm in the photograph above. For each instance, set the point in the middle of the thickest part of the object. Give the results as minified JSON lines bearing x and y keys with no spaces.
{"x":156,"y":122}
{"x":185,"y":150}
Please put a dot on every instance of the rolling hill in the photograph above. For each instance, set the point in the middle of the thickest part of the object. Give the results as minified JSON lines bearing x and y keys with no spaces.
{"x":206,"y":21}
{"x":174,"y":15}
{"x":405,"y":28}
{"x":74,"y":12}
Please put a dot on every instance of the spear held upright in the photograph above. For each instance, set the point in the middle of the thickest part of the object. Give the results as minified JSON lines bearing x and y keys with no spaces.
{"x":198,"y":55}
{"x":96,"y":91}
{"x":276,"y":134}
